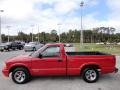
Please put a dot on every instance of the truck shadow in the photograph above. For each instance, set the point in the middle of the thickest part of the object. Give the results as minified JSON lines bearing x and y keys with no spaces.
{"x":103,"y":78}
{"x":110,"y":77}
{"x":56,"y":78}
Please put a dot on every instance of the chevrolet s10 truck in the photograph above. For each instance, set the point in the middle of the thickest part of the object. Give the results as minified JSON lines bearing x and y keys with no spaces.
{"x":52,"y":60}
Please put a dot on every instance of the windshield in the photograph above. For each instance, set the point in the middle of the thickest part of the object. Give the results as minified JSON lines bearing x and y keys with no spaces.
{"x":36,"y":53}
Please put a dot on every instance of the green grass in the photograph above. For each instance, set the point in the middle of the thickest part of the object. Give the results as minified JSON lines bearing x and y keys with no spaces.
{"x":111,"y":49}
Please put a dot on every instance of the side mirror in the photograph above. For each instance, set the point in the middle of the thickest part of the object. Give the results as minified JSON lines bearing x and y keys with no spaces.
{"x":40,"y":55}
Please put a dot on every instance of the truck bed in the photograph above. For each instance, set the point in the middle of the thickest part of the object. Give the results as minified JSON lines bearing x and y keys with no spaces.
{"x":86,"y":53}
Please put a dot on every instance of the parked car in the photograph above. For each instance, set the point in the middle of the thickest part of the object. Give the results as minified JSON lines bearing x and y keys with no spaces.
{"x":11,"y":45}
{"x":52,"y":60}
{"x":68,"y":45}
{"x":118,"y":43}
{"x":14,"y":45}
{"x":32,"y":46}
{"x":101,"y":43}
{"x":3,"y":46}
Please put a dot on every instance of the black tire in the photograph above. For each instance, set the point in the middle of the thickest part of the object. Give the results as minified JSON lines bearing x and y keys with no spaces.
{"x":20,"y":48}
{"x":90,"y":78}
{"x":34,"y":49}
{"x":8,"y":49}
{"x":1,"y":50}
{"x":25,"y":74}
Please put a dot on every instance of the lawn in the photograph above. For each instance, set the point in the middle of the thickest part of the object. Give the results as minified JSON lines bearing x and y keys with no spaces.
{"x":112,"y":49}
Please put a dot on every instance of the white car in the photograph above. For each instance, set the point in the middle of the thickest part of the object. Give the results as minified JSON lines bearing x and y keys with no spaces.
{"x":118,"y":43}
{"x":32,"y":46}
{"x":101,"y":43}
{"x":68,"y":45}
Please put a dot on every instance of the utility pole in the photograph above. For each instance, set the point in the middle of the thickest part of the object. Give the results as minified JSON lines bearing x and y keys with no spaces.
{"x":0,"y":26}
{"x":32,"y":31}
{"x":81,"y":31}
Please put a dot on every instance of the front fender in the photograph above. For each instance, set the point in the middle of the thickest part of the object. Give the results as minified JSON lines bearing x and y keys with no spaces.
{"x":11,"y":67}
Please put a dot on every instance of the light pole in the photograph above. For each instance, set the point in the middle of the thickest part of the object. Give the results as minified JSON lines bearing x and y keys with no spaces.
{"x":0,"y":25}
{"x":32,"y":32}
{"x":8,"y":27}
{"x":59,"y":31}
{"x":38,"y":34}
{"x":81,"y":31}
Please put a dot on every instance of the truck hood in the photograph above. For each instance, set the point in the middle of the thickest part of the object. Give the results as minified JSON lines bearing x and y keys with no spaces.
{"x":19,"y":58}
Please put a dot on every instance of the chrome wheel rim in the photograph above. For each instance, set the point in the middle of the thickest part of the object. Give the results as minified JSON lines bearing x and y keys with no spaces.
{"x":19,"y":76}
{"x":90,"y":75}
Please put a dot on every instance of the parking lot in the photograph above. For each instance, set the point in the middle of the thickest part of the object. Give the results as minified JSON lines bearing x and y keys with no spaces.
{"x":106,"y":82}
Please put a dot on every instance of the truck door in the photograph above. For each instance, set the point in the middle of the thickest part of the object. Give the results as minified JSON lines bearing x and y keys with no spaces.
{"x":51,"y":62}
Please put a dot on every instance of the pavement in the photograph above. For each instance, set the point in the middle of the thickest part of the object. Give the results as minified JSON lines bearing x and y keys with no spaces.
{"x":106,"y":82}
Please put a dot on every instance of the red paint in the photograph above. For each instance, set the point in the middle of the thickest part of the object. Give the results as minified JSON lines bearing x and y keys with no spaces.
{"x":70,"y":65}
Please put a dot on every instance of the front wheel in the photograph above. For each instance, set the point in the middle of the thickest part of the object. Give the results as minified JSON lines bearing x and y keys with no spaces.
{"x":20,"y":48}
{"x":20,"y":75}
{"x":90,"y":75}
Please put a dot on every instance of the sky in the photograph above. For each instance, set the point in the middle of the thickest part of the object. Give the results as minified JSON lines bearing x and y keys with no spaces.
{"x":61,"y":15}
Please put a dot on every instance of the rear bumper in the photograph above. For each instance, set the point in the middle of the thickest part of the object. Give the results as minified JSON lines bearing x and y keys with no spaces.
{"x":116,"y":70}
{"x":5,"y":72}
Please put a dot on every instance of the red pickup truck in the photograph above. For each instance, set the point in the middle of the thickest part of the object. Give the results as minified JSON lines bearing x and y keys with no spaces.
{"x":52,"y":60}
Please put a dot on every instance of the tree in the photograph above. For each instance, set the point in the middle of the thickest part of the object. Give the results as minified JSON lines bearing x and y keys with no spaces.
{"x":54,"y":36}
{"x":99,"y":34}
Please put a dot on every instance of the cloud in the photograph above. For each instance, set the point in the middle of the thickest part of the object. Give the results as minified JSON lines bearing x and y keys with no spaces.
{"x":21,"y":14}
{"x":17,"y":9}
{"x":113,"y":17}
{"x":65,"y":7}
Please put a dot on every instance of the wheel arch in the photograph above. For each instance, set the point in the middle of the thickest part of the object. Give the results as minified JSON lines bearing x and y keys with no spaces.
{"x":18,"y":66}
{"x":90,"y":65}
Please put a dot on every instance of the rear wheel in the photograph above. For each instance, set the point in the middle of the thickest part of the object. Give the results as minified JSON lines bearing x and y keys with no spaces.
{"x":20,"y":75}
{"x":1,"y":50}
{"x":90,"y":75}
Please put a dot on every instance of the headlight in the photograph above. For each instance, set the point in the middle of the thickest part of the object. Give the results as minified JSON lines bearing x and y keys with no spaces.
{"x":4,"y":64}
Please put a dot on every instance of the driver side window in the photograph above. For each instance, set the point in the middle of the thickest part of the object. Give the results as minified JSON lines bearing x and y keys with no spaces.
{"x":53,"y":51}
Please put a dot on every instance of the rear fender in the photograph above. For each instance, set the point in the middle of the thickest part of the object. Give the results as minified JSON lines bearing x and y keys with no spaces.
{"x":91,"y":64}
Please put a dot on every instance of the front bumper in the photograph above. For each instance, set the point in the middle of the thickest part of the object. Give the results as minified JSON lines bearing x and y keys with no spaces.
{"x":5,"y":72}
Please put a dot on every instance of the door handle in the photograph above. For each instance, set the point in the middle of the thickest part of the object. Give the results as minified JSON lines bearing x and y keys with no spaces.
{"x":60,"y":60}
